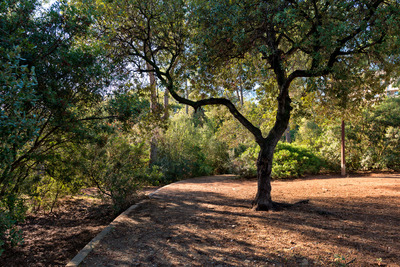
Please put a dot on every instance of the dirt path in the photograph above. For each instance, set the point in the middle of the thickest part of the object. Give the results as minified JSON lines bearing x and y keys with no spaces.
{"x":208,"y":222}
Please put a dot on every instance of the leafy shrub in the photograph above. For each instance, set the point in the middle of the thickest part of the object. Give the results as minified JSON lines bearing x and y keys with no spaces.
{"x":189,"y":148}
{"x":294,"y":161}
{"x":372,"y":140}
{"x":289,"y":161}
{"x":245,"y":163}
{"x":18,"y":127}
{"x":12,"y":211}
{"x":117,"y":167}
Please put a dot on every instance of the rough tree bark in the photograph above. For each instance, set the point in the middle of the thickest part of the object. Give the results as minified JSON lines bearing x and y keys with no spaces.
{"x":263,"y":199}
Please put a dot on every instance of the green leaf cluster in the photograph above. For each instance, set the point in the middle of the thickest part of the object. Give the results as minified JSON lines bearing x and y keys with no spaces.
{"x":290,"y":161}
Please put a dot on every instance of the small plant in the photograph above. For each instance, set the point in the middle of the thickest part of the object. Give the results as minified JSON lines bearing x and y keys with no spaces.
{"x":117,"y":167}
{"x":341,"y":261}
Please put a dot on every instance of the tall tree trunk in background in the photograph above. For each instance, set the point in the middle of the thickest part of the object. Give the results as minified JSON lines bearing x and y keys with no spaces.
{"x":153,"y":108}
{"x":287,"y":135}
{"x":153,"y":91}
{"x":343,"y":154}
{"x":166,"y":105}
{"x":239,"y":94}
{"x":241,"y":91}
{"x":187,"y":95}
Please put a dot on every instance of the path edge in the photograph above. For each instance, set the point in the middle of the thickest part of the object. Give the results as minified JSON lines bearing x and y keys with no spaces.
{"x":96,"y":240}
{"x":82,"y":254}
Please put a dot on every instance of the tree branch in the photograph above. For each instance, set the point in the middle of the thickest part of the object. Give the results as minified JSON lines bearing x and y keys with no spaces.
{"x":225,"y":102}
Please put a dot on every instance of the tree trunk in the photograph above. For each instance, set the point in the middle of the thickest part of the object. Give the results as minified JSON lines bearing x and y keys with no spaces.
{"x":166,"y":105}
{"x":241,"y":91}
{"x":263,"y":199}
{"x":238,"y":95}
{"x":153,"y":108}
{"x":153,"y":150}
{"x":153,"y":91}
{"x":287,"y":137}
{"x":343,"y":155}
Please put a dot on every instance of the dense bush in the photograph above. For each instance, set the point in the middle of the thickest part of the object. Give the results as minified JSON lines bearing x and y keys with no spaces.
{"x":49,"y":79}
{"x":289,"y":161}
{"x":189,"y":148}
{"x":12,"y":211}
{"x":295,"y":161}
{"x":372,"y":140}
{"x":117,"y":166}
{"x":244,"y":164}
{"x":381,"y":135}
{"x":18,"y":127}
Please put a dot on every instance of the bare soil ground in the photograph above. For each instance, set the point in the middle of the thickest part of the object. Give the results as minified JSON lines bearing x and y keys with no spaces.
{"x":52,"y":239}
{"x":208,"y":221}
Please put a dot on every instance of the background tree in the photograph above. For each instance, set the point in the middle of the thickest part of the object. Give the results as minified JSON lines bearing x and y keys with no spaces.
{"x":50,"y":82}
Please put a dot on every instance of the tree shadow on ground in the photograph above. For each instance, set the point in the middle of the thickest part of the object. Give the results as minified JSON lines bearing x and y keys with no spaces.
{"x":204,"y":228}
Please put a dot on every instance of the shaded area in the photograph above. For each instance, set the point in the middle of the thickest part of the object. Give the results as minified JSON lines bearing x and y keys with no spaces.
{"x":53,"y":239}
{"x":208,"y":222}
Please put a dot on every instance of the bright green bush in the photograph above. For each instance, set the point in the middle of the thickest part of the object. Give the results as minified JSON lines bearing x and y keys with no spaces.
{"x":294,"y":161}
{"x":289,"y":161}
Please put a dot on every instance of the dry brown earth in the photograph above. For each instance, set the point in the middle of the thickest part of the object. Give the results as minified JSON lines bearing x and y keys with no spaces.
{"x":353,"y":221}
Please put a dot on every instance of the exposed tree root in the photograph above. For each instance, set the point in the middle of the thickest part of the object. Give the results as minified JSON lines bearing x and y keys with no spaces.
{"x":278,"y":206}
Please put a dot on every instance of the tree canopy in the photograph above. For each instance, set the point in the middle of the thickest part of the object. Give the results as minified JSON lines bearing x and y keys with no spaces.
{"x":309,"y":40}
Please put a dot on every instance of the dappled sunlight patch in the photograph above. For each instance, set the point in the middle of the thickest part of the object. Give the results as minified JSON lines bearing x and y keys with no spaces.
{"x":206,"y":223}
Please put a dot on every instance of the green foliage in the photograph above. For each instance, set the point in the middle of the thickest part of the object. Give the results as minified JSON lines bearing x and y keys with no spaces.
{"x":294,"y":161}
{"x":18,"y":127}
{"x":50,"y":84}
{"x":189,"y":148}
{"x":47,"y":80}
{"x":116,"y":165}
{"x":289,"y":161}
{"x":127,"y":107}
{"x":372,"y":139}
{"x":245,"y":163}
{"x":382,"y":135}
{"x":18,"y":124}
{"x":12,"y":211}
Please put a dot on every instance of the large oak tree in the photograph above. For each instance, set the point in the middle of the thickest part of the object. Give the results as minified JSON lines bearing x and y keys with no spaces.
{"x":294,"y":39}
